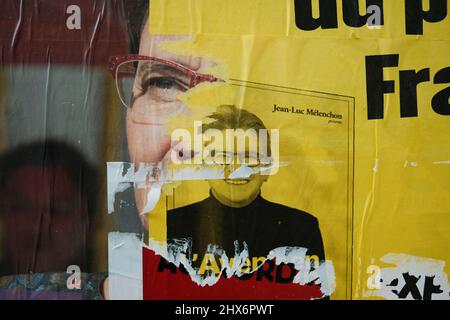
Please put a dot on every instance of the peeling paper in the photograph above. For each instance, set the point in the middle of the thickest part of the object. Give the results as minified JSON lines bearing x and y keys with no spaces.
{"x":56,"y":86}
{"x":152,"y":198}
{"x":198,"y":172}
{"x":175,"y":253}
{"x":323,"y":275}
{"x":125,"y":266}
{"x":242,"y":172}
{"x":411,"y":278}
{"x":121,"y":176}
{"x":121,"y":172}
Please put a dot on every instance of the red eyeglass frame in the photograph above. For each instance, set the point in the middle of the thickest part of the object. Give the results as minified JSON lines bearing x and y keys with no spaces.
{"x":196,"y":77}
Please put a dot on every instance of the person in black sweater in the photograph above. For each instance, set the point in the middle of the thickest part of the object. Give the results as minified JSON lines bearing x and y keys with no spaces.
{"x":235,"y":213}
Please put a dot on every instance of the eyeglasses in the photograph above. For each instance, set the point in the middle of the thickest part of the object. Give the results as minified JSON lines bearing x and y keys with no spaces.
{"x":150,"y":83}
{"x":250,"y":159}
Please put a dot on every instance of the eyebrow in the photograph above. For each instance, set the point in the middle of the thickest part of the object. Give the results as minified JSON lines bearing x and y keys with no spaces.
{"x":145,"y":67}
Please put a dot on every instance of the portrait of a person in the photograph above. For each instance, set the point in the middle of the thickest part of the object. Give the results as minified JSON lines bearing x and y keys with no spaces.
{"x":149,"y":84}
{"x":236,"y":210}
{"x":149,"y":80}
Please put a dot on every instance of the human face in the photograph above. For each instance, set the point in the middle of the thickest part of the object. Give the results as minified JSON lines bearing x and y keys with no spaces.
{"x":149,"y":142}
{"x":238,"y":192}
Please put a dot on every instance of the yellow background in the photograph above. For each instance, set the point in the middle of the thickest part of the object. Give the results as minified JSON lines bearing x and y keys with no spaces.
{"x":398,"y":208}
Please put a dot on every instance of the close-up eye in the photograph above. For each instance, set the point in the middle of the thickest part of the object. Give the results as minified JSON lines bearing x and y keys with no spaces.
{"x":165,"y":83}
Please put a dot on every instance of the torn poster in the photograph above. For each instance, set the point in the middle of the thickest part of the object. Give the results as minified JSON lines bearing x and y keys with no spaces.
{"x":212,"y":149}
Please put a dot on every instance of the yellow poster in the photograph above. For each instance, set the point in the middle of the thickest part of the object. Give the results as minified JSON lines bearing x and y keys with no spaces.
{"x":360,"y":100}
{"x":225,"y":150}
